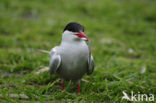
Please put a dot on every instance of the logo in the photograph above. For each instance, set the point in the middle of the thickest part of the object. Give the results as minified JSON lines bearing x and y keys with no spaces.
{"x":138,"y":96}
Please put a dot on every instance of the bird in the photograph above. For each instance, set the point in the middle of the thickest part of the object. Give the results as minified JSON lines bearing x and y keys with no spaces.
{"x":72,"y":58}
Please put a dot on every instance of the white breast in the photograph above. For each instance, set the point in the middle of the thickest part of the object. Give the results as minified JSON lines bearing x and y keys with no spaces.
{"x":74,"y":60}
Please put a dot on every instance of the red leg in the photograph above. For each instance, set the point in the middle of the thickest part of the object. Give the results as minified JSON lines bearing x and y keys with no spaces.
{"x":62,"y":84}
{"x":78,"y":87}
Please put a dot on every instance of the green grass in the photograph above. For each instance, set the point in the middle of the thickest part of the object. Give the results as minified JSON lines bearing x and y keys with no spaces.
{"x":123,"y":42}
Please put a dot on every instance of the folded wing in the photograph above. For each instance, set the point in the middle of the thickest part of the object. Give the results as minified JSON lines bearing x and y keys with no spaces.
{"x":90,"y":65}
{"x":55,"y":60}
{"x":90,"y":60}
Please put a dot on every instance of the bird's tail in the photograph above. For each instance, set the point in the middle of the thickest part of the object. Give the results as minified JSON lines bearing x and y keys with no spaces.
{"x":44,"y":51}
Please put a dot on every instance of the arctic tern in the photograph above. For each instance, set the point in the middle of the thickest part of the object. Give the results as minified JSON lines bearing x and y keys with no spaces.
{"x":73,"y":58}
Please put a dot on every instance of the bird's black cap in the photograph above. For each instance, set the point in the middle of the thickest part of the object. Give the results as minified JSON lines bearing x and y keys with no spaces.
{"x":74,"y":27}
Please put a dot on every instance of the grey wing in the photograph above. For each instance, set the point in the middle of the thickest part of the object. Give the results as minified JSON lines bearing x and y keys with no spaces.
{"x":90,"y":68}
{"x":55,"y":61}
{"x":90,"y":65}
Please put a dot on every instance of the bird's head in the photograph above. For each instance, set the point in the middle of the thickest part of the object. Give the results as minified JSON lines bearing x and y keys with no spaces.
{"x":74,"y":32}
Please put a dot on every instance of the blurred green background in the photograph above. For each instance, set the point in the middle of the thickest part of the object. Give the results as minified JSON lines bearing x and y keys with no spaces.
{"x":123,"y":35}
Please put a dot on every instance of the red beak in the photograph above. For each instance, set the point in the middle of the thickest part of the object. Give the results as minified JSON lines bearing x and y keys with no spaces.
{"x":82,"y":35}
